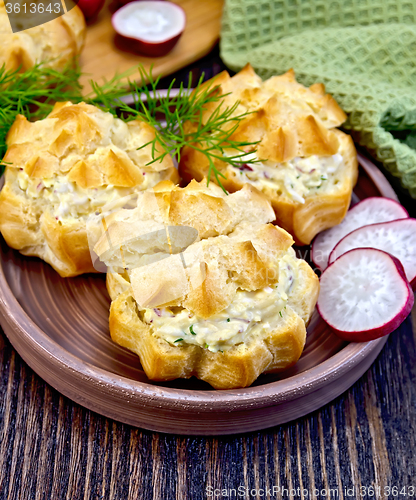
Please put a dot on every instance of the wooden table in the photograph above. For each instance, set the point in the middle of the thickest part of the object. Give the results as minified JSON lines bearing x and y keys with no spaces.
{"x":363,"y":442}
{"x":51,"y":448}
{"x":102,"y":58}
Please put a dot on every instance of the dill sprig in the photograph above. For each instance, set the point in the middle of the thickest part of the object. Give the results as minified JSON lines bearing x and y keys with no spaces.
{"x":107,"y":95}
{"x":34,"y":92}
{"x":184,"y":124}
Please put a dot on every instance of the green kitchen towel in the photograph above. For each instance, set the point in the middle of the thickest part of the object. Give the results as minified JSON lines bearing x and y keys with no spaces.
{"x":363,"y":50}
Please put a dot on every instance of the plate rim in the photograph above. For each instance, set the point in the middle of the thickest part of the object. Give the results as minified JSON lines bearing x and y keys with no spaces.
{"x":253,"y":398}
{"x":324,"y":372}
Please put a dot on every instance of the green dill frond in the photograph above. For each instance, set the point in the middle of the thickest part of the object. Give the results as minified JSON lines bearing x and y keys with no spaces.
{"x":107,"y":94}
{"x":210,"y":138}
{"x":34,"y":92}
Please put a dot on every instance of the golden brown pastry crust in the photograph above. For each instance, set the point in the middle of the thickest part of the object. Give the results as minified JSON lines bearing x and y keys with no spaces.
{"x":289,"y":121}
{"x":242,"y":254}
{"x":85,"y":151}
{"x":57,"y":41}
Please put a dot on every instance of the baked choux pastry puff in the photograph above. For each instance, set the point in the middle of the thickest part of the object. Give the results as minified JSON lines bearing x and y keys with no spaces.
{"x":202,"y":284}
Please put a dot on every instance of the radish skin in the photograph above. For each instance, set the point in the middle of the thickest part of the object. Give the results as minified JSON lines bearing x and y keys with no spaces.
{"x":398,"y":238}
{"x":369,"y":211}
{"x":364,"y":295}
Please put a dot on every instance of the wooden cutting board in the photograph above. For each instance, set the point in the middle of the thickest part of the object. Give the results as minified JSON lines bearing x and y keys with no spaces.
{"x":102,"y":59}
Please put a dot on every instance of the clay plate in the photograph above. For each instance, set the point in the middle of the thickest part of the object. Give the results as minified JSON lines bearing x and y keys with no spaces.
{"x":60,"y":328}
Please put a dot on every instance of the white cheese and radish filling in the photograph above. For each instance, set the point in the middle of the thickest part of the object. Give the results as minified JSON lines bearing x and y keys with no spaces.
{"x":68,"y":200}
{"x":249,"y":313}
{"x":296,"y":178}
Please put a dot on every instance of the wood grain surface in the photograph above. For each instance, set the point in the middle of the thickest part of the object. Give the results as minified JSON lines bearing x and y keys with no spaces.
{"x":54,"y":449}
{"x":51,"y":448}
{"x":102,"y":58}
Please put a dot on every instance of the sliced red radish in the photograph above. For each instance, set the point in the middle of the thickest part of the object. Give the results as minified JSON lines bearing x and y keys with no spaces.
{"x":364,"y":295}
{"x":368,"y":211}
{"x":398,"y":238}
{"x":150,"y":27}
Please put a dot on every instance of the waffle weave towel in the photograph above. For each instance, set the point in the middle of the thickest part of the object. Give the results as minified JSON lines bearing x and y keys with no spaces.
{"x":363,"y":50}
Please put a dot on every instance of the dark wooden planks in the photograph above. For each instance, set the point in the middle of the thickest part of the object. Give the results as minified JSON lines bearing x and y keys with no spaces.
{"x":51,"y":448}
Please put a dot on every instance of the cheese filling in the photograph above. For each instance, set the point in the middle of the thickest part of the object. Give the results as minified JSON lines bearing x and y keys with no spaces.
{"x":296,"y":178}
{"x":68,"y":200}
{"x":248,"y":314}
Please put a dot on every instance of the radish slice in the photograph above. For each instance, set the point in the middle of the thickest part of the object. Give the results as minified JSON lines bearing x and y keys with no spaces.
{"x":364,"y":295}
{"x":150,"y":27}
{"x":396,"y":237}
{"x":368,"y":211}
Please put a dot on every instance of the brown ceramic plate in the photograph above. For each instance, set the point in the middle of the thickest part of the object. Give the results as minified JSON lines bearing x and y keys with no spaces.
{"x":60,"y":328}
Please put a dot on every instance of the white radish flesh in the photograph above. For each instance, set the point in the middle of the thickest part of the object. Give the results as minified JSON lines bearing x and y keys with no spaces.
{"x":396,"y":237}
{"x":368,"y":211}
{"x":364,"y":295}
